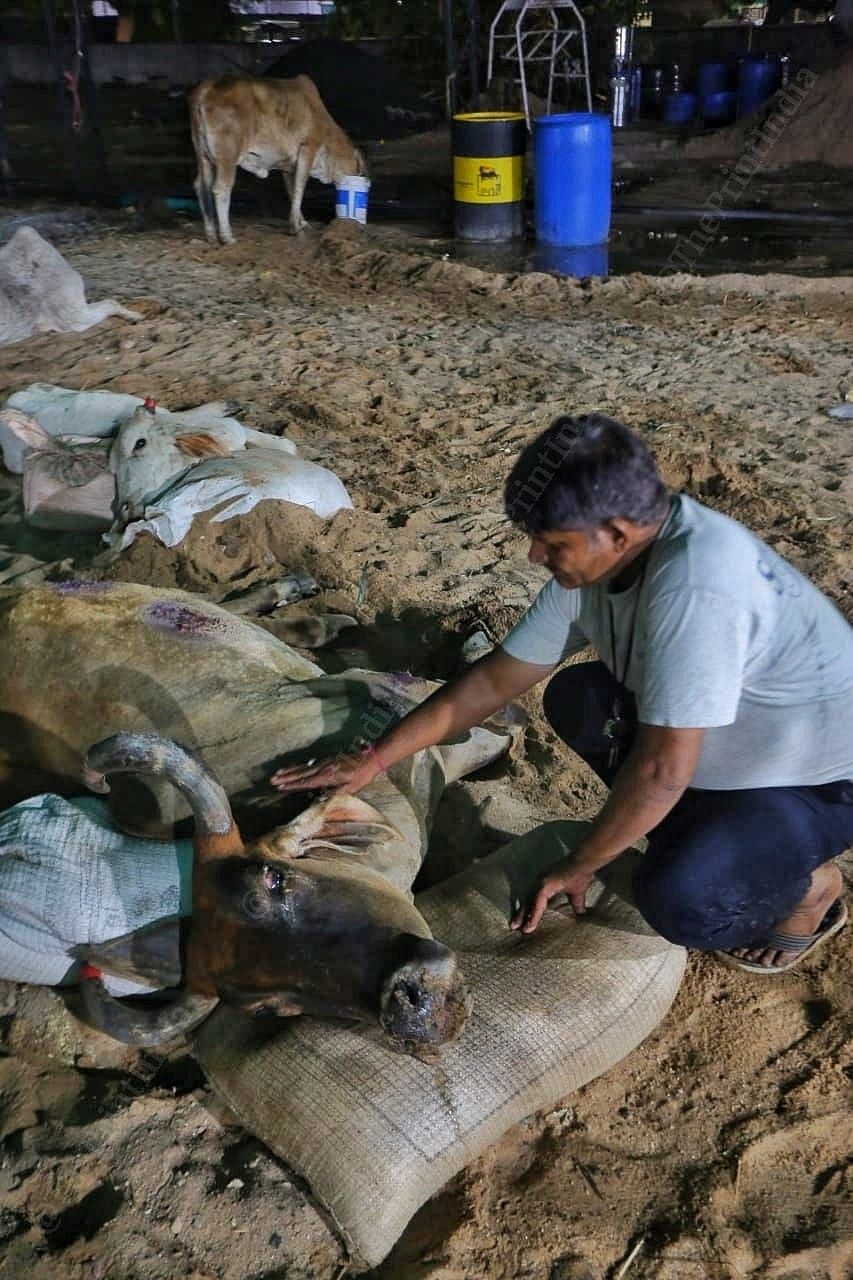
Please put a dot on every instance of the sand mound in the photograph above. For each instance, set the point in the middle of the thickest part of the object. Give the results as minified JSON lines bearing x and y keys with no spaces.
{"x":819,"y":132}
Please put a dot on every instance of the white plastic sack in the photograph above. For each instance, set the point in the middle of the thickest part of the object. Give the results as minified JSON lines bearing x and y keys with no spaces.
{"x":19,"y":435}
{"x":63,"y":412}
{"x":69,"y":486}
{"x":235,"y":485}
{"x":67,"y":876}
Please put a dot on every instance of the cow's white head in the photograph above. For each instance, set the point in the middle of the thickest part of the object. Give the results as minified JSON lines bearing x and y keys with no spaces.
{"x":148,"y":452}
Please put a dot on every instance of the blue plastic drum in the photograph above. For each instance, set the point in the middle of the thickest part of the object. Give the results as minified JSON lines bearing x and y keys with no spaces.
{"x":712,"y":77}
{"x":759,"y":78}
{"x":582,"y":261}
{"x":719,"y":108}
{"x":573,"y":157}
{"x":679,"y":108}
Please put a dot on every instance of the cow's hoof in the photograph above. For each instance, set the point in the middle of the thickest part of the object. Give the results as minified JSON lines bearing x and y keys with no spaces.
{"x":425,"y":1003}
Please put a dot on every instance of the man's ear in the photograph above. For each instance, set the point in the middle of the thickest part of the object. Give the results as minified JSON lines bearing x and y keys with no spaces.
{"x":619,"y":532}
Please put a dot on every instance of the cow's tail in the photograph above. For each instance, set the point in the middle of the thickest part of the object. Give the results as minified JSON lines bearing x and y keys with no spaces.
{"x":204,"y":156}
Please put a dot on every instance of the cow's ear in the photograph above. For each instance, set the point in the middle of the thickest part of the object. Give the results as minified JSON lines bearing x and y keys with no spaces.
{"x":339,"y":822}
{"x":199,"y":444}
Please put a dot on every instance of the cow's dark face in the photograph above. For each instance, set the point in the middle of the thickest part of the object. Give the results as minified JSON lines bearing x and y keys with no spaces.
{"x":298,"y":921}
{"x":312,"y":936}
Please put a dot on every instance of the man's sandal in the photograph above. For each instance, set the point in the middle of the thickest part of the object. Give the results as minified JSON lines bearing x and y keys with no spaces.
{"x":834,"y":920}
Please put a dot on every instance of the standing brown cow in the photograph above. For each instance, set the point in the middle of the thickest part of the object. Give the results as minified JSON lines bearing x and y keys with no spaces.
{"x":260,"y":125}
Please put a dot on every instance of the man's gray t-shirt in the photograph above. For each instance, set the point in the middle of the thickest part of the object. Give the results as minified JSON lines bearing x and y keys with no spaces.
{"x":728,"y":638}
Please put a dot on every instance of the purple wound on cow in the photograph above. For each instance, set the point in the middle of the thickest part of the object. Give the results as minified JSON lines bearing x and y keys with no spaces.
{"x":168,"y":615}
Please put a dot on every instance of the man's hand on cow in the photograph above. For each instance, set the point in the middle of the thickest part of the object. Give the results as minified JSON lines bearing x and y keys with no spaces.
{"x":342,"y":773}
{"x":564,"y":877}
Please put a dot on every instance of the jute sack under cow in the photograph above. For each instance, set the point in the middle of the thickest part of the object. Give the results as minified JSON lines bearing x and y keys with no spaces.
{"x":68,"y":485}
{"x":374,"y":1133}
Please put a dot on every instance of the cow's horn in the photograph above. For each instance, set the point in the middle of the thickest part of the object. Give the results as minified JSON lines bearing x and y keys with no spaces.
{"x":134,"y":1023}
{"x":216,"y":835}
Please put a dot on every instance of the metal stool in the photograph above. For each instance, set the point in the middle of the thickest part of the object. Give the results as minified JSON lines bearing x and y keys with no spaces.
{"x":526,"y":32}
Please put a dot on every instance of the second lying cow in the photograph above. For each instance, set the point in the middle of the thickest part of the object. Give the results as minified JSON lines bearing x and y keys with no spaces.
{"x":153,"y":447}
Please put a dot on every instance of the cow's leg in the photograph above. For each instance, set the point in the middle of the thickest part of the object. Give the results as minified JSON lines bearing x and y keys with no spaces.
{"x":287,"y":175}
{"x":204,"y":194}
{"x":296,"y":187}
{"x":223,"y":185}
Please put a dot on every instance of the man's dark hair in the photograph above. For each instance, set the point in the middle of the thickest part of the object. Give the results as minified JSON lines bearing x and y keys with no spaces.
{"x":582,"y":472}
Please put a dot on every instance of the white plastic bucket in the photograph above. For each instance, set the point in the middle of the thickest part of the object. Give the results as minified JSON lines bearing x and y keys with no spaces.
{"x":351,"y":197}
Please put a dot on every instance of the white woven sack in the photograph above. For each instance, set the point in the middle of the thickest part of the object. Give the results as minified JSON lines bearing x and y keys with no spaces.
{"x":375,"y":1133}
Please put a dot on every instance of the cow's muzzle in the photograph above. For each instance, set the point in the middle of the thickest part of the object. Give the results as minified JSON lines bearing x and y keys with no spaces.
{"x":424,"y":1002}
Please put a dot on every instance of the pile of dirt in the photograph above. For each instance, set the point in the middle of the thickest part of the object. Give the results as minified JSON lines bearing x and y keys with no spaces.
{"x":366,"y":97}
{"x":819,"y":131}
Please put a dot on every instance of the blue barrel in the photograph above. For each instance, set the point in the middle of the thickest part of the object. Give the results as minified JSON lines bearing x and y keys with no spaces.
{"x":581,"y":261}
{"x":719,"y":108}
{"x":712,"y":77}
{"x":758,"y":78}
{"x":573,"y":157}
{"x":679,"y":108}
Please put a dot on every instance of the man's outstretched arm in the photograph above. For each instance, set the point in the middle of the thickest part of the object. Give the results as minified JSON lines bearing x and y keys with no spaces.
{"x":462,"y":703}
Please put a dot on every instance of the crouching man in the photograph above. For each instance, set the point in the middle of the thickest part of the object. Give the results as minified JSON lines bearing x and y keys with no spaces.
{"x":719,"y":711}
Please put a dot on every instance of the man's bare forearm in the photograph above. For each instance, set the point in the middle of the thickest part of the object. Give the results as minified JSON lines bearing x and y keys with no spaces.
{"x":466,"y":701}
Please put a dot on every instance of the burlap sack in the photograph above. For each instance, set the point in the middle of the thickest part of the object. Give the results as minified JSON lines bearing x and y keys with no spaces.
{"x":374,"y":1133}
{"x":68,"y":485}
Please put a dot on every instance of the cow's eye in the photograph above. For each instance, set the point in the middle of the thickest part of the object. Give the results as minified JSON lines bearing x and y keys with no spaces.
{"x":140,"y":444}
{"x":273,"y":879}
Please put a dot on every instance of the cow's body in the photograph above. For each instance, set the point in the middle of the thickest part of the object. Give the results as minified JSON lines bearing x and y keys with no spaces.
{"x":261,"y":125}
{"x":316,"y":914}
{"x":42,"y":293}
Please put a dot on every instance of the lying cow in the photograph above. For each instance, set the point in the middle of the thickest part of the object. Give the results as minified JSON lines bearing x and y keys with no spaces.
{"x":42,"y":293}
{"x":261,"y":125}
{"x":153,"y":447}
{"x":314,"y":915}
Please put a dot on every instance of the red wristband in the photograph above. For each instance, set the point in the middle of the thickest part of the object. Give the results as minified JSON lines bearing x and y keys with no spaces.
{"x":371,"y":751}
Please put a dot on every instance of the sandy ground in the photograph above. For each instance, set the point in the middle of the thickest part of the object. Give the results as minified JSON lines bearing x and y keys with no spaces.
{"x":718,"y":1149}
